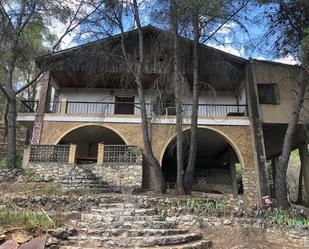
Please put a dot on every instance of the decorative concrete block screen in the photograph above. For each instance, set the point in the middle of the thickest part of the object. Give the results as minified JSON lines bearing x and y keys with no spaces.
{"x":49,"y":153}
{"x":121,"y":154}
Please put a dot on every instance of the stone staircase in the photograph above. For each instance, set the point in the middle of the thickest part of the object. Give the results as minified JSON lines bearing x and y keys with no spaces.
{"x":82,"y":177}
{"x":129,"y":225}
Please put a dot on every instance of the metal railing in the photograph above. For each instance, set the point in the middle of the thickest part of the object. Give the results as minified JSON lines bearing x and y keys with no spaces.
{"x":49,"y":153}
{"x":126,"y":108}
{"x":121,"y":154}
{"x":105,"y":108}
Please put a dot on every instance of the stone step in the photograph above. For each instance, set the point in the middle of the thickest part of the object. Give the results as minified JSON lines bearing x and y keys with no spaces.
{"x":117,"y":205}
{"x":125,"y":224}
{"x":124,"y":211}
{"x":131,"y":233}
{"x":201,"y":244}
{"x":96,"y":241}
{"x":120,"y":217}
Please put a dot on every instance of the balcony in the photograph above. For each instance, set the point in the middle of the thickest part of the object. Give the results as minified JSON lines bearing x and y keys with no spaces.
{"x":125,"y":108}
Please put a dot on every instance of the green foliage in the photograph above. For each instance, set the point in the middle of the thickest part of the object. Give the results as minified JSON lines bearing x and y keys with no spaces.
{"x":50,"y":188}
{"x":28,"y":175}
{"x":287,"y":218}
{"x":200,"y":222}
{"x":161,"y":210}
{"x":208,"y":204}
{"x":3,"y":164}
{"x":80,"y":192}
{"x":27,"y":219}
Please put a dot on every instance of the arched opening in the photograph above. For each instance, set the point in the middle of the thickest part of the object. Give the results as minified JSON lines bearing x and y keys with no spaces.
{"x":87,"y":139}
{"x":217,"y":168}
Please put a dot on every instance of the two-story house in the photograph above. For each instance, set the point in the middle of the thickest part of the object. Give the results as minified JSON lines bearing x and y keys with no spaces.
{"x":88,"y":97}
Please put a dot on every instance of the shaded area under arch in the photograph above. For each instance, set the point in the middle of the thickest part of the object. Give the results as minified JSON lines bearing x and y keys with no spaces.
{"x":87,"y":139}
{"x":217,"y":167}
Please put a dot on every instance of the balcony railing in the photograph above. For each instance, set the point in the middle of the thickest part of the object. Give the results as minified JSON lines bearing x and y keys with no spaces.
{"x":125,"y":108}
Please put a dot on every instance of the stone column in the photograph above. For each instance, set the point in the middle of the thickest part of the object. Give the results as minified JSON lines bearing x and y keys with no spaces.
{"x":233,"y":171}
{"x":304,"y":160}
{"x":100,"y":158}
{"x":26,"y":157}
{"x":72,"y":155}
{"x":63,"y":109}
{"x":43,"y":82}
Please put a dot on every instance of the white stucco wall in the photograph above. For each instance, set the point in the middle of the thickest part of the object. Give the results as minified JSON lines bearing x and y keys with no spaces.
{"x":108,"y":95}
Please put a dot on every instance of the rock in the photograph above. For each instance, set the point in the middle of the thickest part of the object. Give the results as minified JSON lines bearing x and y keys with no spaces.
{"x":9,"y":244}
{"x":51,"y":241}
{"x":60,"y":233}
{"x":2,"y":237}
{"x":227,"y":222}
{"x":36,"y":243}
{"x":21,"y":237}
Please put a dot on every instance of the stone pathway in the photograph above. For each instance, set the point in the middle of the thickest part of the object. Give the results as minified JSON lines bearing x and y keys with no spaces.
{"x":118,"y":225}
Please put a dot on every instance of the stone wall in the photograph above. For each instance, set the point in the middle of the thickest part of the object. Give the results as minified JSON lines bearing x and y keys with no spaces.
{"x":96,"y":177}
{"x":161,"y":134}
{"x":8,"y":175}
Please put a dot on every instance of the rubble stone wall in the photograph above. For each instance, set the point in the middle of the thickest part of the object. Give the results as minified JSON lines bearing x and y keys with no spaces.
{"x":112,"y":176}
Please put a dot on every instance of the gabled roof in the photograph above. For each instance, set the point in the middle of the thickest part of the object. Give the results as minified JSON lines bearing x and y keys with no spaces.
{"x":149,"y":29}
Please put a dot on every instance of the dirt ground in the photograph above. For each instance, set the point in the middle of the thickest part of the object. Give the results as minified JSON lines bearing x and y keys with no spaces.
{"x":236,"y":237}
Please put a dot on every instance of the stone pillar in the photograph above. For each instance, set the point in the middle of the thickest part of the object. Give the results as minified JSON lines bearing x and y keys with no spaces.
{"x":63,"y":109}
{"x":100,"y":158}
{"x":72,"y":155}
{"x":43,"y":82}
{"x":256,"y":133}
{"x":304,"y":160}
{"x":26,"y":157}
{"x":233,"y":171}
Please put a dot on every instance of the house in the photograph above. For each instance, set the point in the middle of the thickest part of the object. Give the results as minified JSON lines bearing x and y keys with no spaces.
{"x":88,"y":112}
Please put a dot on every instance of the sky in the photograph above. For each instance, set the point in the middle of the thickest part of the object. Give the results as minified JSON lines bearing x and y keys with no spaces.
{"x":244,"y":41}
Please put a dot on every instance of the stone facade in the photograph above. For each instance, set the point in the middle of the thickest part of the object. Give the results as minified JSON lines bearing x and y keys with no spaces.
{"x":8,"y":175}
{"x":239,"y":138}
{"x":96,"y":177}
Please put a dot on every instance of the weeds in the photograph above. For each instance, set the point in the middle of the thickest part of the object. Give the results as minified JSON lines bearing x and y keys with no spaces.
{"x":50,"y":188}
{"x":80,"y":192}
{"x":200,"y":222}
{"x":28,"y":219}
{"x":287,"y":219}
{"x":208,"y":204}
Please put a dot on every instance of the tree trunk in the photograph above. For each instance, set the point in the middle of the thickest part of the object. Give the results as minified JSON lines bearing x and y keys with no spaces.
{"x":177,"y":83}
{"x":304,"y":159}
{"x":300,"y":186}
{"x":188,"y":179}
{"x":11,"y":133}
{"x":281,"y":183}
{"x":161,"y":187}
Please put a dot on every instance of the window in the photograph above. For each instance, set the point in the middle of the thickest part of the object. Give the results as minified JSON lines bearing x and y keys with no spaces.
{"x":124,"y":105}
{"x":268,"y":94}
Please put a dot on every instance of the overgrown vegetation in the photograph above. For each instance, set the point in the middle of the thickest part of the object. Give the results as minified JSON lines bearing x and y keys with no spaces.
{"x":208,"y":204}
{"x":27,"y":219}
{"x":50,"y":188}
{"x":289,"y":218}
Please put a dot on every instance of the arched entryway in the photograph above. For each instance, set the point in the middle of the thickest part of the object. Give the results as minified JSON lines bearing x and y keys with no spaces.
{"x":87,"y":139}
{"x":217,"y":169}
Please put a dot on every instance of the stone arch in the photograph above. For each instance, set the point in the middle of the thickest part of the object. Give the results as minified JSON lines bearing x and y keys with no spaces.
{"x":87,"y":138}
{"x":91,"y":124}
{"x":217,"y":159}
{"x":228,"y":139}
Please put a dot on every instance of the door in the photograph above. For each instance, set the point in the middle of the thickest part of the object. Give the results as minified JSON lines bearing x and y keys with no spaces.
{"x":124,"y":105}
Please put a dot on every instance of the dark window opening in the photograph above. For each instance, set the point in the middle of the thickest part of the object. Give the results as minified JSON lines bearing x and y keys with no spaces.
{"x":268,"y":94}
{"x":124,"y":105}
